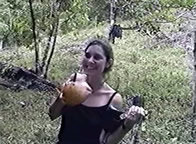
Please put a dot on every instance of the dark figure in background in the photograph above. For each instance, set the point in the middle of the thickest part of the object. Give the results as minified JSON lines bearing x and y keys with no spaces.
{"x":116,"y":31}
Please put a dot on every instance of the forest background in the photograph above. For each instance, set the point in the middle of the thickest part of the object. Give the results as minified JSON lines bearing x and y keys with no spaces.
{"x":153,"y":59}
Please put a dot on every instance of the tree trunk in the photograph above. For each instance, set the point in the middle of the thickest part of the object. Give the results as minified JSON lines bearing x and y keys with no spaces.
{"x":47,"y":50}
{"x":112,"y":18}
{"x":51,"y":32}
{"x":52,"y":51}
{"x":112,"y":12}
{"x":55,"y":36}
{"x":35,"y":39}
{"x":194,"y":85}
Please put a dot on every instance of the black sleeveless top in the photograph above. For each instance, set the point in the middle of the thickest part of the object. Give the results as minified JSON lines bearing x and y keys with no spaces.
{"x":83,"y":125}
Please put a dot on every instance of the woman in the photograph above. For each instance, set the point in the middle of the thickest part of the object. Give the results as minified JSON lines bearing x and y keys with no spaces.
{"x":96,"y":120}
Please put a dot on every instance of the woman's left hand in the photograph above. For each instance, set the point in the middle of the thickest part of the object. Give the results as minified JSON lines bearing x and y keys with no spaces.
{"x":133,"y":116}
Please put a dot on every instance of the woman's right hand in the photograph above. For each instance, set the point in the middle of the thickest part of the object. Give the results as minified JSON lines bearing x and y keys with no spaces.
{"x":81,"y":85}
{"x":85,"y":89}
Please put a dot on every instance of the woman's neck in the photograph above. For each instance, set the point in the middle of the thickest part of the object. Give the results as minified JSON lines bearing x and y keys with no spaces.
{"x":96,"y":82}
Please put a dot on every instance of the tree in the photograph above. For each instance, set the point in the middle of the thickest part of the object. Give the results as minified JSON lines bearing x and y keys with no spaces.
{"x":17,"y":29}
{"x":47,"y":16}
{"x":37,"y":69}
{"x":147,"y":16}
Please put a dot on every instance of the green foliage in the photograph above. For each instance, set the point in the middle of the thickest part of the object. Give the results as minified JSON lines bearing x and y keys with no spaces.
{"x":159,"y":75}
{"x":76,"y":16}
{"x":147,"y":16}
{"x":16,"y":24}
{"x":178,"y":3}
{"x":99,"y":10}
{"x":14,"y":21}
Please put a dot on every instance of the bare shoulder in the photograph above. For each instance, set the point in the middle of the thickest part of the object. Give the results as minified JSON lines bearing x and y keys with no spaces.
{"x":117,"y":101}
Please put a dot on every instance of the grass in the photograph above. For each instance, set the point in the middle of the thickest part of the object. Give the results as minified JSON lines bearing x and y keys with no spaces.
{"x":160,"y":75}
{"x":25,"y":124}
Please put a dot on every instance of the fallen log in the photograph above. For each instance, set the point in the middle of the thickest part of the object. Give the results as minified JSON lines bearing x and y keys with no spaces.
{"x":18,"y":78}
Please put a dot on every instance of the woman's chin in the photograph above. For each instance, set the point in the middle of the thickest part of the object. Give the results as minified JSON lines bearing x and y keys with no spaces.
{"x":90,"y":72}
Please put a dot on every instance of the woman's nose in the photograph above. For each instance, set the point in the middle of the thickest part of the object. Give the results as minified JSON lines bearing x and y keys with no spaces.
{"x":91,"y":60}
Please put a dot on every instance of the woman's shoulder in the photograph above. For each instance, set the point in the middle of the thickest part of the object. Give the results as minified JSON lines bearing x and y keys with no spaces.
{"x":117,"y":100}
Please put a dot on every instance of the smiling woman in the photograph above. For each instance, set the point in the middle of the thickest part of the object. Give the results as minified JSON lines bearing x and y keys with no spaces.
{"x":101,"y":51}
{"x":94,"y":60}
{"x":96,"y":120}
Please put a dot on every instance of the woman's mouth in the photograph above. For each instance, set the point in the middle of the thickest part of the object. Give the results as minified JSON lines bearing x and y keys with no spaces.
{"x":90,"y":67}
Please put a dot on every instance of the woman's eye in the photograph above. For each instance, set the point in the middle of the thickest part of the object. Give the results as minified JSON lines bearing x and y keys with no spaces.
{"x":87,"y":55}
{"x":97,"y":57}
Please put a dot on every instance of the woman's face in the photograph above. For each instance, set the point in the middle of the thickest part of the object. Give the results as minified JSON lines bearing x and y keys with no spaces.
{"x":94,"y":60}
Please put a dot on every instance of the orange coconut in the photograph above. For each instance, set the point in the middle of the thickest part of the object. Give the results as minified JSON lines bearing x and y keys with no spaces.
{"x":74,"y":94}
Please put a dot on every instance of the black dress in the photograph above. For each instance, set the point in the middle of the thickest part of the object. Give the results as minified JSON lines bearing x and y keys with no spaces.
{"x":83,"y":125}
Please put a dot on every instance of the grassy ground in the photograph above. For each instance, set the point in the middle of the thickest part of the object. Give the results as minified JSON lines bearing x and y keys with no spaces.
{"x":160,"y":75}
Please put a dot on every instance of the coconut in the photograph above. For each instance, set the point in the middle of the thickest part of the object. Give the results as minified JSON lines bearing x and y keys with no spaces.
{"x":74,"y":94}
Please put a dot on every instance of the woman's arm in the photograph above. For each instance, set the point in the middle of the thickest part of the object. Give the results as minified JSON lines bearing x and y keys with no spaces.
{"x":56,"y":108}
{"x":114,"y":138}
{"x":133,"y":116}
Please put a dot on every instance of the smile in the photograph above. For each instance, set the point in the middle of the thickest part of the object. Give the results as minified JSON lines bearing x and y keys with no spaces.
{"x":90,"y":67}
